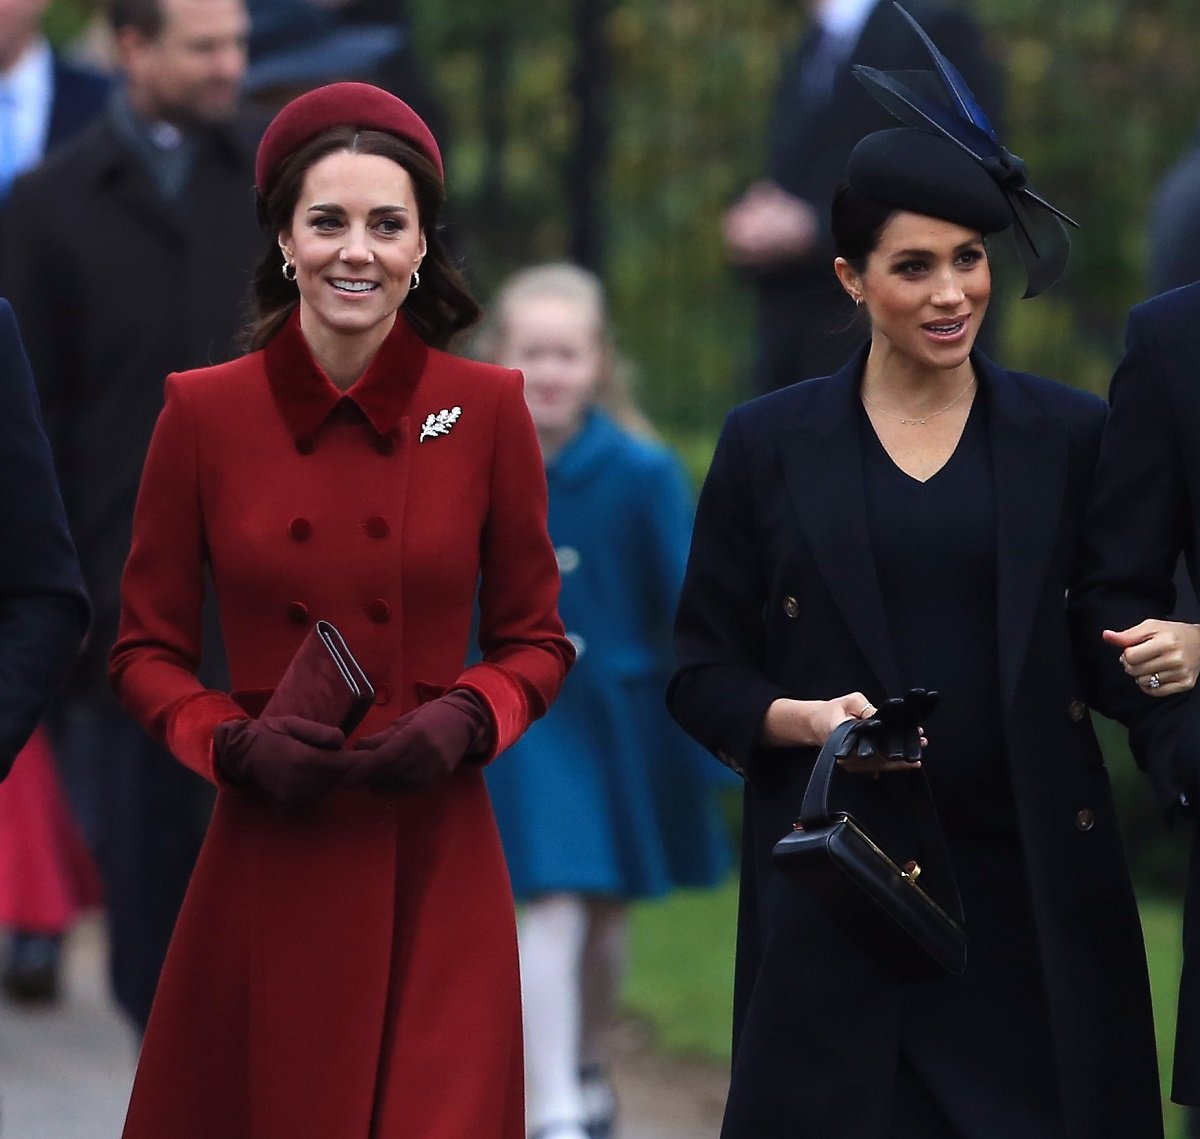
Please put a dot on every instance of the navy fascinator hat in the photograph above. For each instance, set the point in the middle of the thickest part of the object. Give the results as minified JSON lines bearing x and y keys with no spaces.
{"x":947,"y":162}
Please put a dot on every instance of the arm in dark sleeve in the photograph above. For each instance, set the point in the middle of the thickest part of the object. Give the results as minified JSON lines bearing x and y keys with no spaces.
{"x":1138,"y":520}
{"x":719,"y":693}
{"x":43,"y":610}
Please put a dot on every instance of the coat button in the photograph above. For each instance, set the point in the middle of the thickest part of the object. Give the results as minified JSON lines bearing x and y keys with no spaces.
{"x":304,"y":445}
{"x":297,"y":613}
{"x":379,"y":611}
{"x":1077,"y":709}
{"x":1085,"y":819}
{"x":300,"y":529}
{"x":383,"y":694}
{"x":377,"y":527}
{"x":385,"y":444}
{"x":791,"y":607}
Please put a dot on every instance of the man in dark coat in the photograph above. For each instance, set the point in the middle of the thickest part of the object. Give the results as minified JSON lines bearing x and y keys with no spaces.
{"x":127,"y":255}
{"x":778,"y":231}
{"x":43,"y":610}
{"x":1145,"y":513}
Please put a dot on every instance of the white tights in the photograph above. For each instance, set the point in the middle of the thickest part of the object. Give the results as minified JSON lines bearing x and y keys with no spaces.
{"x":572,"y":961}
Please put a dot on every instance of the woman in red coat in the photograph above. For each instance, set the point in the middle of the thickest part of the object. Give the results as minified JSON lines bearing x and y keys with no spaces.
{"x":345,"y":962}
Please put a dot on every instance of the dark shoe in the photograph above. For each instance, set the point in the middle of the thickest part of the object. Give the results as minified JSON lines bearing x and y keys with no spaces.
{"x":600,"y":1099}
{"x":31,"y":975}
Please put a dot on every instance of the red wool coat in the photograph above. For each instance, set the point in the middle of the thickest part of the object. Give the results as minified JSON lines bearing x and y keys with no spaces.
{"x":350,"y":974}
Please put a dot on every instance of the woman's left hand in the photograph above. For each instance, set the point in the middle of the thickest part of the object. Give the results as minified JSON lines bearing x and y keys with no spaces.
{"x":422,"y":746}
{"x":1163,"y":657}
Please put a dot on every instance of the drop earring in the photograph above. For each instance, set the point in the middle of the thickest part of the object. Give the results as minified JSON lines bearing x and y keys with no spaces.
{"x":415,"y":283}
{"x":288,"y":269}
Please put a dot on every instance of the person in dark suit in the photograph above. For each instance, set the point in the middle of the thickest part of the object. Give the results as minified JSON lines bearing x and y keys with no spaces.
{"x":43,"y":608}
{"x":911,"y":521}
{"x":1143,"y":515}
{"x":778,"y":231}
{"x":154,"y":277}
{"x":43,"y":99}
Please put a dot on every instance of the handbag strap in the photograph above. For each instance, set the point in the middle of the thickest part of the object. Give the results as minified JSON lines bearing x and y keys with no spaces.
{"x":814,"y":810}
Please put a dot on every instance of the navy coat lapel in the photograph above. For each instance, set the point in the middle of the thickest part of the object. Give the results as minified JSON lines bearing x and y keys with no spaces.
{"x":825,"y":481}
{"x":1029,"y":458}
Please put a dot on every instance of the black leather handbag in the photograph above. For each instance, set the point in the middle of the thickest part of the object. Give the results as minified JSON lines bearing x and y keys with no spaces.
{"x":879,"y":903}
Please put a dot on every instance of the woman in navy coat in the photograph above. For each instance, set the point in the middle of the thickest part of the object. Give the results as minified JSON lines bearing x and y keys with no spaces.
{"x":911,"y":521}
{"x":605,"y":800}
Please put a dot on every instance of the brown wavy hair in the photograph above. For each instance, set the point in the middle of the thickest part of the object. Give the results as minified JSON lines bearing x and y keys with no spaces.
{"x":440,"y":308}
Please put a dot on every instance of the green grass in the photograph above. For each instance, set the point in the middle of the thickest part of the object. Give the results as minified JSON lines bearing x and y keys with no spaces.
{"x":681,"y":975}
{"x":681,"y":978}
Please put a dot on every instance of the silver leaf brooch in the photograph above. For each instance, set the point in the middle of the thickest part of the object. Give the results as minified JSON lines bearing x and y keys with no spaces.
{"x":439,"y":423}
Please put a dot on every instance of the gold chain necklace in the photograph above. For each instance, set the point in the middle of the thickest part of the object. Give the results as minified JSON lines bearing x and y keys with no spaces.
{"x":917,"y":422}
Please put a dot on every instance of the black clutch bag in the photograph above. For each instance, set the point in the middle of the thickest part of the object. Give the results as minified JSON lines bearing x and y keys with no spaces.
{"x":878,"y":903}
{"x":323,"y":682}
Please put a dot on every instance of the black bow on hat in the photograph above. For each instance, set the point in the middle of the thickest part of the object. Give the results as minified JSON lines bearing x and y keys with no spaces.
{"x":942,"y":102}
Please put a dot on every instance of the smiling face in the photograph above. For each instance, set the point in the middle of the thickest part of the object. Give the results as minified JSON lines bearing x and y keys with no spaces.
{"x":355,"y":240}
{"x":926,"y":287}
{"x":556,"y":342}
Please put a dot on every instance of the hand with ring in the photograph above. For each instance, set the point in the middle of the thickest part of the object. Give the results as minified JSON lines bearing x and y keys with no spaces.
{"x":1162,"y":657}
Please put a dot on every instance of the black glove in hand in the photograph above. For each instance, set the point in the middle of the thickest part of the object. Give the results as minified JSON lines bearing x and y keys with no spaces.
{"x":294,"y":760}
{"x":423,"y":745}
{"x":894,"y":732}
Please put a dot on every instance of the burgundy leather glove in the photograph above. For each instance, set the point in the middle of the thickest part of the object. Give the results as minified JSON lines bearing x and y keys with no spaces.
{"x":294,"y":760}
{"x":423,"y":745}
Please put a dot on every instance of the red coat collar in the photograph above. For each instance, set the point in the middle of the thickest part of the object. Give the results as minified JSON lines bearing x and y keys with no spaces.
{"x":306,"y":397}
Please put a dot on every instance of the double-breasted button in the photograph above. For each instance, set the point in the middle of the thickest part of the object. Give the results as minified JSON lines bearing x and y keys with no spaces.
{"x":304,"y":445}
{"x":297,"y":612}
{"x":1076,"y":710}
{"x":300,"y":529}
{"x":385,"y":444}
{"x":1085,"y":819}
{"x":379,"y":611}
{"x":377,"y":527}
{"x":383,"y":694}
{"x":791,"y":607}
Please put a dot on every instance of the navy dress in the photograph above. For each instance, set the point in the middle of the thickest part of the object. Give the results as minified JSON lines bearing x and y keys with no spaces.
{"x":934,"y":546}
{"x":606,"y":795}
